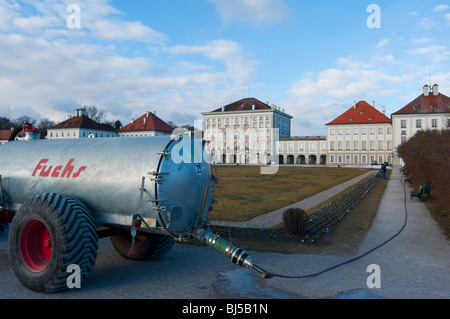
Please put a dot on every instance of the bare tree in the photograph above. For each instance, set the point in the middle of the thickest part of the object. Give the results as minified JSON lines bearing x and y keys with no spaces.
{"x":5,"y":123}
{"x":94,"y":113}
{"x":43,"y":125}
{"x":23,"y":119}
{"x":172,"y":124}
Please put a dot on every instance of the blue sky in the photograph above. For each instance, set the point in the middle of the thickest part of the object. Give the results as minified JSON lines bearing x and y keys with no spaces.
{"x":183,"y":57}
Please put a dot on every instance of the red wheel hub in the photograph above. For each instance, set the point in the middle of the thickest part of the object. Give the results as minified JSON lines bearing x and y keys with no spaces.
{"x":35,"y":245}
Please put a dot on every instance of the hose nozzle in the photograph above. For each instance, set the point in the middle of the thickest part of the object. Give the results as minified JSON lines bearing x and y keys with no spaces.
{"x":238,"y":256}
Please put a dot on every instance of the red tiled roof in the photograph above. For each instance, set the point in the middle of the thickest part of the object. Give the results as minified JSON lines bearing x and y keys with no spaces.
{"x":83,"y":122}
{"x":361,"y":113}
{"x":245,"y":105}
{"x":5,"y":134}
{"x":147,"y":122}
{"x":427,"y":104}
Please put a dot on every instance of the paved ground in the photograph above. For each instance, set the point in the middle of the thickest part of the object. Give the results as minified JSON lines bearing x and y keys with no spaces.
{"x":416,"y":264}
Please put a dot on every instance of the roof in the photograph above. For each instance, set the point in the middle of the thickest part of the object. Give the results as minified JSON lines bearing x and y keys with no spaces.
{"x":148,"y":122}
{"x":248,"y":104}
{"x":5,"y":134}
{"x":361,"y":113}
{"x":426,"y":104}
{"x":244,"y":105}
{"x":83,"y":122}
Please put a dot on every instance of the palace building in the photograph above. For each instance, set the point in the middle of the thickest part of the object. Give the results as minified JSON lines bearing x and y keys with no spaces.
{"x":429,"y":111}
{"x":361,"y":135}
{"x":249,"y":131}
{"x":245,"y":131}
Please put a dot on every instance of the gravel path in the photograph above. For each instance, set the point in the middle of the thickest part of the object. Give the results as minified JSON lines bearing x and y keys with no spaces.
{"x":276,"y":217}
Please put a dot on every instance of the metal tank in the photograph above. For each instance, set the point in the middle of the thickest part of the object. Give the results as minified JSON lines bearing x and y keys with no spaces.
{"x":165,"y":180}
{"x":60,"y":196}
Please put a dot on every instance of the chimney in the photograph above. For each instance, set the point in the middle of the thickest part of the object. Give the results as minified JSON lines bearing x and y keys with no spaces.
{"x":374,"y":104}
{"x":253,"y":107}
{"x":354,"y":105}
{"x":435,"y":89}
{"x":145,"y":120}
{"x":426,"y":90}
{"x":80,"y":112}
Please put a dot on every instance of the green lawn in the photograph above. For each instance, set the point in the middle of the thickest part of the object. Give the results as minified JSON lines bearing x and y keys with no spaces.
{"x":248,"y":194}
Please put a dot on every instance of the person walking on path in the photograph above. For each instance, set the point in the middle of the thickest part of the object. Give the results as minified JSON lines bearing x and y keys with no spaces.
{"x":383,"y":171}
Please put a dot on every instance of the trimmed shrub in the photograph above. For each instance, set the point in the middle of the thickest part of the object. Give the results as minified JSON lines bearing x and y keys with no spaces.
{"x":295,"y":221}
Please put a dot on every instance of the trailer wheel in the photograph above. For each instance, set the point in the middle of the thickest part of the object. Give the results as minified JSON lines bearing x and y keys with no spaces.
{"x":49,"y":233}
{"x":148,"y":246}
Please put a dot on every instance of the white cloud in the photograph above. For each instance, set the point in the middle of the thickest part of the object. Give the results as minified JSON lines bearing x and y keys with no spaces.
{"x":441,"y":7}
{"x":48,"y":69}
{"x":35,"y":72}
{"x":387,"y":59}
{"x":35,"y":22}
{"x":128,"y":31}
{"x":253,"y":12}
{"x":99,"y":19}
{"x":383,"y":42}
{"x":52,"y":78}
{"x":239,"y":66}
{"x":319,"y":97}
{"x":428,"y":23}
{"x":8,"y":12}
{"x":421,"y":40}
{"x":435,"y":53}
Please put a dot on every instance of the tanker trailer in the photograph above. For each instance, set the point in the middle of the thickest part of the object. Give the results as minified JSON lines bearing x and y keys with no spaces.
{"x":61,"y":196}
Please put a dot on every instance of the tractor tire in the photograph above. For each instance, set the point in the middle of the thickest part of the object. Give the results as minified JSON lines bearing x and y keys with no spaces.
{"x":148,"y":246}
{"x":49,"y":233}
